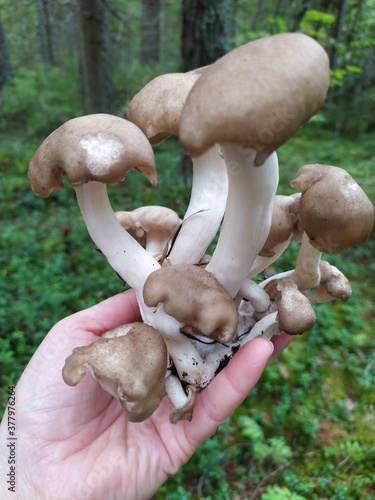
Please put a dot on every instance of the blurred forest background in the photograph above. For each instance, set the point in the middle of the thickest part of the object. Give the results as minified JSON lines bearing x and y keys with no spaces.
{"x":307,"y":430}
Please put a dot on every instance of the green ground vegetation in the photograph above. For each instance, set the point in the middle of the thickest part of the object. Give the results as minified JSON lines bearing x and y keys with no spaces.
{"x":306,"y":431}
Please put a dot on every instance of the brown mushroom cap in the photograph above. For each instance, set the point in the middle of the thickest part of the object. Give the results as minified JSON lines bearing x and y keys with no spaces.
{"x":129,"y":363}
{"x":194,"y":297}
{"x":295,"y":314}
{"x":157,"y":108}
{"x":256,"y":96}
{"x":98,"y":147}
{"x":335,"y":212}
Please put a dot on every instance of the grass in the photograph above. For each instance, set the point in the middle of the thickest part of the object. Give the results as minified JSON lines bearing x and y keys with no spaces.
{"x":306,"y":431}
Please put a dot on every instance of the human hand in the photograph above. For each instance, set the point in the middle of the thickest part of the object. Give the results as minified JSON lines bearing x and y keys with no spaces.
{"x":77,"y":442}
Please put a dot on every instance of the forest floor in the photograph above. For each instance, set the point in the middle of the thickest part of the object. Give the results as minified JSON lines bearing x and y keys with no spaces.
{"x":306,"y":431}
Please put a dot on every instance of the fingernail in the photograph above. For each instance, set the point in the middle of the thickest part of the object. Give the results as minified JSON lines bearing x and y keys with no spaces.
{"x":271,"y":346}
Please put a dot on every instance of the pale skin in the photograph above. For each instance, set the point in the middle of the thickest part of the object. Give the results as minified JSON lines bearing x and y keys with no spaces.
{"x":76,"y":442}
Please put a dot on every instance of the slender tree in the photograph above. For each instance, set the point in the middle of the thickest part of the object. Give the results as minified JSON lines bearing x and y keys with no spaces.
{"x":205,"y":31}
{"x":150,"y":31}
{"x":5,"y":68}
{"x":45,"y":32}
{"x":96,"y":78}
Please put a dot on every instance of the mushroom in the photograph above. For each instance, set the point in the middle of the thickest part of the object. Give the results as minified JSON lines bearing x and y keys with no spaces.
{"x":333,"y":285}
{"x":295,"y":315}
{"x":254,"y":294}
{"x":335,"y":214}
{"x":129,"y":362}
{"x":183,"y":402}
{"x":152,"y":226}
{"x":251,"y":101}
{"x":156,"y":109}
{"x":195,"y":298}
{"x":91,"y":152}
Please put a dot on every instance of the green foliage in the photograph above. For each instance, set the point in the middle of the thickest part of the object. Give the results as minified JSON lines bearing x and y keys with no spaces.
{"x":306,"y":431}
{"x":338,"y":75}
{"x":313,"y":21}
{"x":283,"y":493}
{"x":37,"y":100}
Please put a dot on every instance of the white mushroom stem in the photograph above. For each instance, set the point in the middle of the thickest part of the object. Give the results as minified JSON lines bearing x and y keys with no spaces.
{"x":284,"y":274}
{"x":266,"y":327}
{"x":205,"y":211}
{"x":261,"y":262}
{"x":307,"y":273}
{"x":248,"y":215}
{"x":155,"y":243}
{"x":127,"y":257}
{"x":175,"y":391}
{"x":252,"y":292}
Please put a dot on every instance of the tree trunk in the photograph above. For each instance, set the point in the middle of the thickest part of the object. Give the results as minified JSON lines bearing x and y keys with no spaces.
{"x":150,"y":32}
{"x":299,"y":15}
{"x":205,"y":31}
{"x":5,"y":68}
{"x":339,"y":29}
{"x":45,"y":32}
{"x":97,"y":86}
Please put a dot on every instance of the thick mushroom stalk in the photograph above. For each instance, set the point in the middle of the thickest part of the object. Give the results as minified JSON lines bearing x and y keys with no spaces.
{"x":251,"y":101}
{"x":125,"y":255}
{"x":335,"y":214}
{"x":206,"y":208}
{"x":248,"y":212}
{"x":129,"y":362}
{"x":156,"y":109}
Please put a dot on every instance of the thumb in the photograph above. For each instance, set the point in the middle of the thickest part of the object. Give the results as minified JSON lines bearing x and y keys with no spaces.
{"x":228,"y":389}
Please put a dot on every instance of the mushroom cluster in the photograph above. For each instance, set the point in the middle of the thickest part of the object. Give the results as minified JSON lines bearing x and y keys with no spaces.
{"x":198,"y":310}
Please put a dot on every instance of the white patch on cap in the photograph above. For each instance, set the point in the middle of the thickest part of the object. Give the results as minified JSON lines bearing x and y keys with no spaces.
{"x":102,"y":151}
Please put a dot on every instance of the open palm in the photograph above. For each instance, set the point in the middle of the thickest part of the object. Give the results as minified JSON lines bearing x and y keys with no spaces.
{"x":77,"y":442}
